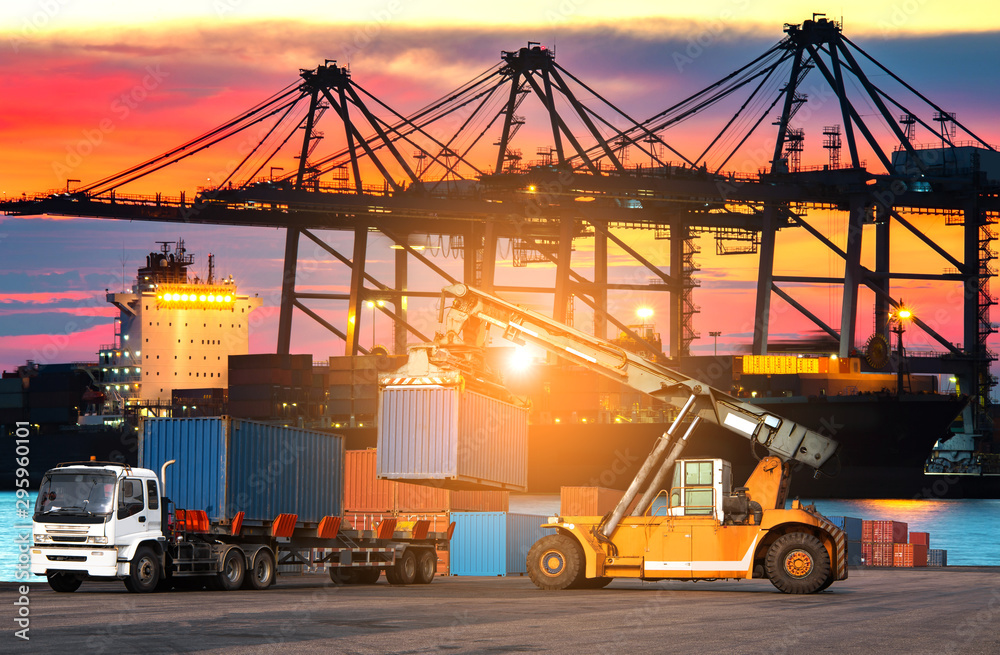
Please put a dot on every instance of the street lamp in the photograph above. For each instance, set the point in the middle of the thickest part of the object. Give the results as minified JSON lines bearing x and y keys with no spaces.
{"x":715,"y":336}
{"x":898,"y":328}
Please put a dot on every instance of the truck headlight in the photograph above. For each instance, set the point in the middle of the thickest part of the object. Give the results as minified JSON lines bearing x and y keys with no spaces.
{"x":42,"y":538}
{"x":97,"y":540}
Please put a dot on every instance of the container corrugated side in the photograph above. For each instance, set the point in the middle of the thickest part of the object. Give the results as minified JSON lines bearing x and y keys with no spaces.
{"x":463,"y":439}
{"x":198,"y":478}
{"x":493,"y":442}
{"x":921,"y":538}
{"x":523,"y":530}
{"x":478,"y":545}
{"x":279,"y":470}
{"x":363,"y":491}
{"x":937,"y":557}
{"x":588,"y":501}
{"x":480,"y":501}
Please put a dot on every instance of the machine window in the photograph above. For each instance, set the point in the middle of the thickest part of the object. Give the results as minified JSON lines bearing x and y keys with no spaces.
{"x":152,"y":494}
{"x":130,"y":500}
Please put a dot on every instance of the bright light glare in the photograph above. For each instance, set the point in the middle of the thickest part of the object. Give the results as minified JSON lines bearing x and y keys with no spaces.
{"x":520,"y":359}
{"x":904,"y":313}
{"x":644,"y":312}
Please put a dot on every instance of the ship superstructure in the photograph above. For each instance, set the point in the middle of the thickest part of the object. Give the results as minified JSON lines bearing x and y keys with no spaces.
{"x":175,"y":331}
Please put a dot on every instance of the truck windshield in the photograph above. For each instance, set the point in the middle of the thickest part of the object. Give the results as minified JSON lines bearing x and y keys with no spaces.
{"x":87,"y":494}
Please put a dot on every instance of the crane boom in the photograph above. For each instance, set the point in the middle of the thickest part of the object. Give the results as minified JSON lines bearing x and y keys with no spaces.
{"x":473,"y":311}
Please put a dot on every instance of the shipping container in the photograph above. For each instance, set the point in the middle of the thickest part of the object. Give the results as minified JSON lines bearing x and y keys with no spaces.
{"x":11,"y":400}
{"x":937,"y":557}
{"x":269,"y":361}
{"x":921,"y":538}
{"x":877,"y":554}
{"x":228,"y":465}
{"x":848,"y":524}
{"x":12,"y":385}
{"x":443,"y":567}
{"x":480,"y":501}
{"x":365,"y":492}
{"x":855,"y":554}
{"x":909,"y":555}
{"x":587,"y":501}
{"x":493,"y":543}
{"x":884,"y":532}
{"x":462,"y":439}
{"x":53,"y":415}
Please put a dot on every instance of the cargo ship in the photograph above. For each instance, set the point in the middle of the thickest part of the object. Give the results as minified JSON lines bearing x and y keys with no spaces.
{"x":602,"y":431}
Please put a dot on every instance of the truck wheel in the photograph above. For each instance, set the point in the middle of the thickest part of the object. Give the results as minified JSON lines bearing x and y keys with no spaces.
{"x":369,"y":576}
{"x":261,"y":576}
{"x":404,"y":571}
{"x":144,"y":572}
{"x":344,"y":575}
{"x":64,"y":583}
{"x":231,"y":576}
{"x":555,"y":562}
{"x":427,"y":564}
{"x":797,"y":563}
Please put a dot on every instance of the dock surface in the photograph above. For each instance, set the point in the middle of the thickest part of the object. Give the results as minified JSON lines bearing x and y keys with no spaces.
{"x":954,"y":610}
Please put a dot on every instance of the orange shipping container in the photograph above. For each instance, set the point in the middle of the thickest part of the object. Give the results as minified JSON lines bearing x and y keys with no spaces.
{"x":587,"y":501}
{"x":877,"y":554}
{"x":363,"y":492}
{"x":442,"y":567}
{"x":480,"y":501}
{"x":909,"y":555}
{"x":921,"y":538}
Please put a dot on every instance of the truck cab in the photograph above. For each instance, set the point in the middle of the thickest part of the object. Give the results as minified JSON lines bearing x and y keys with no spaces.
{"x":92,"y":519}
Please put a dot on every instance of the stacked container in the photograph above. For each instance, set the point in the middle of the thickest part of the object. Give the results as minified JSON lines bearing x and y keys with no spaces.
{"x":494,"y":543}
{"x":937,"y":557}
{"x":266,"y":386}
{"x":853,"y":528}
{"x":587,"y":501}
{"x":878,"y":538}
{"x":365,"y":492}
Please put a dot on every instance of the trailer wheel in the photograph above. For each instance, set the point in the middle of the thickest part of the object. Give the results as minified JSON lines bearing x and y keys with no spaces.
{"x":555,"y":562}
{"x":370,"y":576}
{"x":261,"y":576}
{"x":797,"y":563}
{"x":404,"y":571}
{"x":231,"y":575}
{"x":144,"y":572}
{"x":64,"y":583}
{"x":426,"y":566}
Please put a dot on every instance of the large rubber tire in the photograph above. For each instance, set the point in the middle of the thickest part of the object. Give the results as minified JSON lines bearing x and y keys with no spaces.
{"x":230,"y":577}
{"x":827,"y":583}
{"x":404,"y":571}
{"x":369,"y":576}
{"x":345,"y":575}
{"x":555,"y":562}
{"x":263,"y":573}
{"x":427,"y":563}
{"x":144,"y":571}
{"x":64,"y":583}
{"x":594,"y":583}
{"x":797,"y":563}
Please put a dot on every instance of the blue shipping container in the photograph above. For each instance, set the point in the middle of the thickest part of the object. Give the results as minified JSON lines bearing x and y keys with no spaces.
{"x":228,"y":465}
{"x":493,"y":543}
{"x":848,"y":524}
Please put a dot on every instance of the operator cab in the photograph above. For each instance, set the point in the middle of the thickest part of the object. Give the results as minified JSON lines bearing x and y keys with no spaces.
{"x":698,"y":489}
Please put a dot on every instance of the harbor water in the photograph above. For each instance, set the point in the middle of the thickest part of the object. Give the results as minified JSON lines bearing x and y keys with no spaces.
{"x":965,"y":528}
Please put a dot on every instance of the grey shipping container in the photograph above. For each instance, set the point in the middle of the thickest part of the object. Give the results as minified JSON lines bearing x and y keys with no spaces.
{"x":11,"y":400}
{"x":458,"y":439}
{"x":229,"y":465}
{"x":937,"y":557}
{"x":855,"y":556}
{"x":493,"y":543}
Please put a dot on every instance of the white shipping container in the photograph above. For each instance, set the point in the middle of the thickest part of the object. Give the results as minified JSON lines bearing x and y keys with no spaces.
{"x":454,"y":438}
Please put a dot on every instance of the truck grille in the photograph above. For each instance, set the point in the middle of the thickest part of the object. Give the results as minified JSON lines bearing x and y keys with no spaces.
{"x":67,"y":558}
{"x":69,"y":539}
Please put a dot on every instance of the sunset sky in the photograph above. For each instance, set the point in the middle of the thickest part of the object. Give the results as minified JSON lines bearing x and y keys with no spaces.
{"x":94,"y":87}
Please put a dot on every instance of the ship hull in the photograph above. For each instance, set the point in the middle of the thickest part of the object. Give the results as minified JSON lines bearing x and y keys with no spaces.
{"x":884,"y":442}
